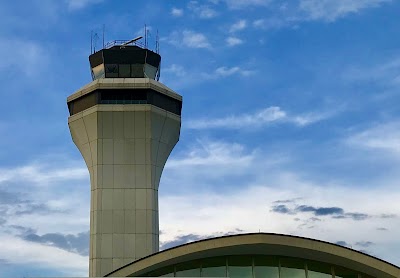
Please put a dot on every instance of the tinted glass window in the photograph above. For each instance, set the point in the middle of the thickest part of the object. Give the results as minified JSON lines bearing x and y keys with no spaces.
{"x":124,"y":70}
{"x":318,"y":270}
{"x":292,"y":268}
{"x":344,"y":272}
{"x":266,"y":267}
{"x":188,"y":269}
{"x":166,"y":272}
{"x":137,"y":70}
{"x":111,"y":70}
{"x":214,"y":267}
{"x":240,"y":267}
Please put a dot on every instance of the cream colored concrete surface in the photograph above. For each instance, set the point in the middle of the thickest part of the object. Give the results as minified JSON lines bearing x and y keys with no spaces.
{"x":125,"y":148}
{"x":112,"y":83}
{"x":263,"y":244}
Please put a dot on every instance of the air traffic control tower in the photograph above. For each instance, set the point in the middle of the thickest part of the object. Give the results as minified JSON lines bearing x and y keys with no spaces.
{"x":125,"y":124}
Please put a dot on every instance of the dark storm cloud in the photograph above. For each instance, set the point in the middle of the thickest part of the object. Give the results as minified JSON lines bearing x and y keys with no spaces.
{"x":72,"y":243}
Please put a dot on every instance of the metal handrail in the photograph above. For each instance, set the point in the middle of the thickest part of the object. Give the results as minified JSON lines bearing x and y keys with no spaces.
{"x":120,"y":42}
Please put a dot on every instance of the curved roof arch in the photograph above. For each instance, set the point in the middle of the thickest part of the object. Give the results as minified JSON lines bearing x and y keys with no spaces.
{"x":262,"y":244}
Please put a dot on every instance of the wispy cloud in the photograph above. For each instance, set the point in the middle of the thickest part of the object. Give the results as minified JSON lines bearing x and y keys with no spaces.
{"x":258,"y":119}
{"x":213,"y":153}
{"x":176,"y":12}
{"x":385,"y":74}
{"x":23,"y":56}
{"x":18,"y":251}
{"x":42,"y":174}
{"x":382,"y":137}
{"x":80,"y":4}
{"x":328,"y":10}
{"x":232,"y":41}
{"x":202,"y":11}
{"x":175,"y":69}
{"x":188,"y":38}
{"x":238,"y":26}
{"x":241,"y":4}
{"x":225,"y":71}
{"x":195,"y":76}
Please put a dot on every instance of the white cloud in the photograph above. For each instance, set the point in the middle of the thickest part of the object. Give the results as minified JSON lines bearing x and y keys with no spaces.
{"x":19,"y":252}
{"x":258,"y":119}
{"x":259,"y":23}
{"x":24,"y":56}
{"x":41,"y":174}
{"x":212,"y":154}
{"x":386,"y":73}
{"x":80,"y":4}
{"x":329,"y":10}
{"x":244,"y":184}
{"x":383,"y":137}
{"x":202,"y":11}
{"x":195,"y":40}
{"x":241,"y":4}
{"x":238,"y":26}
{"x":175,"y":69}
{"x":61,"y":206}
{"x":176,"y":12}
{"x":188,"y":38}
{"x":225,"y":71}
{"x":232,"y":41}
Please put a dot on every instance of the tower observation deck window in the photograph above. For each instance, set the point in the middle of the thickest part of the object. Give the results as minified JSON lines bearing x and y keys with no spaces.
{"x":125,"y":96}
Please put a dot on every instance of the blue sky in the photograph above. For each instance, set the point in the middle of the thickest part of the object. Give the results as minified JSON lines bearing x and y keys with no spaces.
{"x":290,"y":122}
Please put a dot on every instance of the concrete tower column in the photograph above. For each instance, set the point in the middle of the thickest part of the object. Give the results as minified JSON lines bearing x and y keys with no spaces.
{"x":125,"y":147}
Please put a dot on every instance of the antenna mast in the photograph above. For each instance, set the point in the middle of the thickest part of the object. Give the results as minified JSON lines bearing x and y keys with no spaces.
{"x":91,"y":42}
{"x":104,"y":30}
{"x":145,"y":36}
{"x":157,"y":44}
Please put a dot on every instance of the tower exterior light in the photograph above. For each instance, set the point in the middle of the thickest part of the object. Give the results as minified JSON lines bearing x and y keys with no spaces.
{"x":125,"y":124}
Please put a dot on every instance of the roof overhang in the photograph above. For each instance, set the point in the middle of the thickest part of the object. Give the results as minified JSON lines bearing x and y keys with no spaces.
{"x":262,"y":244}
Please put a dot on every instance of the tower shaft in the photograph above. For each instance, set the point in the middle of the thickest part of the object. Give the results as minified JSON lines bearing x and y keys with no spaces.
{"x":125,"y":143}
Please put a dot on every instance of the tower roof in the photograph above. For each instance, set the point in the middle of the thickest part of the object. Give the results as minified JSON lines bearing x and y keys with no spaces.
{"x":119,"y":60}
